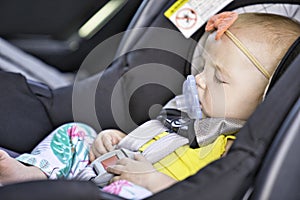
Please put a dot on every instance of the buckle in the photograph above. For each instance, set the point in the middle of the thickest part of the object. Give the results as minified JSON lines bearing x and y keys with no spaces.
{"x":101,"y":163}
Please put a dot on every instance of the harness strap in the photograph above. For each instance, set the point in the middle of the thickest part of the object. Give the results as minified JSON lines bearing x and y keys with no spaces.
{"x":141,"y":135}
{"x":167,"y":144}
{"x":161,"y":146}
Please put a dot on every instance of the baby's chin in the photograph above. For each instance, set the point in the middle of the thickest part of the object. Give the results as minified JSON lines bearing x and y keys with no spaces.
{"x":207,"y":114}
{"x":204,"y":113}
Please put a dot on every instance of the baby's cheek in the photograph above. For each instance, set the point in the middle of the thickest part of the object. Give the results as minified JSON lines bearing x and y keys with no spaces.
{"x":216,"y":104}
{"x":237,"y":110}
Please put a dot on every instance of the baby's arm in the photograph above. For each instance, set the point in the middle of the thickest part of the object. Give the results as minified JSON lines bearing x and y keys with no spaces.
{"x":105,"y":142}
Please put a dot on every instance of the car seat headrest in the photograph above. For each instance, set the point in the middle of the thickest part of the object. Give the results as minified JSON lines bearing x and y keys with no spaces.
{"x":286,"y":61}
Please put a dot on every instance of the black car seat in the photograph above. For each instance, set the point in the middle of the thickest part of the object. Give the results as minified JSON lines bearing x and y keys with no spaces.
{"x":227,"y":178}
{"x":123,"y":97}
{"x":143,"y":97}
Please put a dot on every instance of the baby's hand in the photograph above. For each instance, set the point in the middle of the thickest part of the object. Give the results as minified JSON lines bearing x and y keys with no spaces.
{"x":105,"y":142}
{"x":141,"y":172}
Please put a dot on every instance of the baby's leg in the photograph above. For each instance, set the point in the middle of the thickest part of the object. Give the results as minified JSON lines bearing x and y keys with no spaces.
{"x":64,"y":153}
{"x":12,"y":171}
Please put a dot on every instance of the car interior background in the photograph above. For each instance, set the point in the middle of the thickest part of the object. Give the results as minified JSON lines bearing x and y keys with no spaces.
{"x":50,"y":56}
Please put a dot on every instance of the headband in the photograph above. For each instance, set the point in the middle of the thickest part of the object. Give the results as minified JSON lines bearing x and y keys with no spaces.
{"x":222,"y":22}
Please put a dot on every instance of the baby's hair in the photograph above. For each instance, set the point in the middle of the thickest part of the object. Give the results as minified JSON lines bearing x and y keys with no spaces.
{"x":277,"y":31}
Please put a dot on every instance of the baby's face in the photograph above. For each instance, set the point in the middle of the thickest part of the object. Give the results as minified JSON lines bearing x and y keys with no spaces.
{"x":230,"y":85}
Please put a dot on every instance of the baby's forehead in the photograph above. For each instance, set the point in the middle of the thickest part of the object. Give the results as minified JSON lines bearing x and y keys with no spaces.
{"x":225,"y":56}
{"x":218,"y":50}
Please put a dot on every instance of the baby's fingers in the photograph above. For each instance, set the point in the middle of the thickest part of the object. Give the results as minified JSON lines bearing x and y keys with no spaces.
{"x":115,"y":169}
{"x":98,"y":149}
{"x":108,"y":144}
{"x":114,"y":179}
{"x":139,"y":157}
{"x":92,"y":156}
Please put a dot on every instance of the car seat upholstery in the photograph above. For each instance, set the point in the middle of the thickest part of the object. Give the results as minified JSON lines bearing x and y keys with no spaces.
{"x":15,"y":60}
{"x":210,"y":183}
{"x":281,"y":165}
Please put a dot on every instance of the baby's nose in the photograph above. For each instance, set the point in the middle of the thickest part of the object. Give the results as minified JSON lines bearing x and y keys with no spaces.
{"x":200,"y":80}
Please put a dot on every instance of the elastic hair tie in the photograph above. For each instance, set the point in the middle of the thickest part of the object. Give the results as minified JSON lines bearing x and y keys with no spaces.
{"x":221,"y":22}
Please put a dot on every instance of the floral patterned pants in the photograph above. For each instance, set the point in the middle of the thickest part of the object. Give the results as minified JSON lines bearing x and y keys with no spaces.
{"x":65,"y":152}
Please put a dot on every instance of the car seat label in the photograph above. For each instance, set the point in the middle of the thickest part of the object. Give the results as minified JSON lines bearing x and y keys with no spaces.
{"x":189,"y":15}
